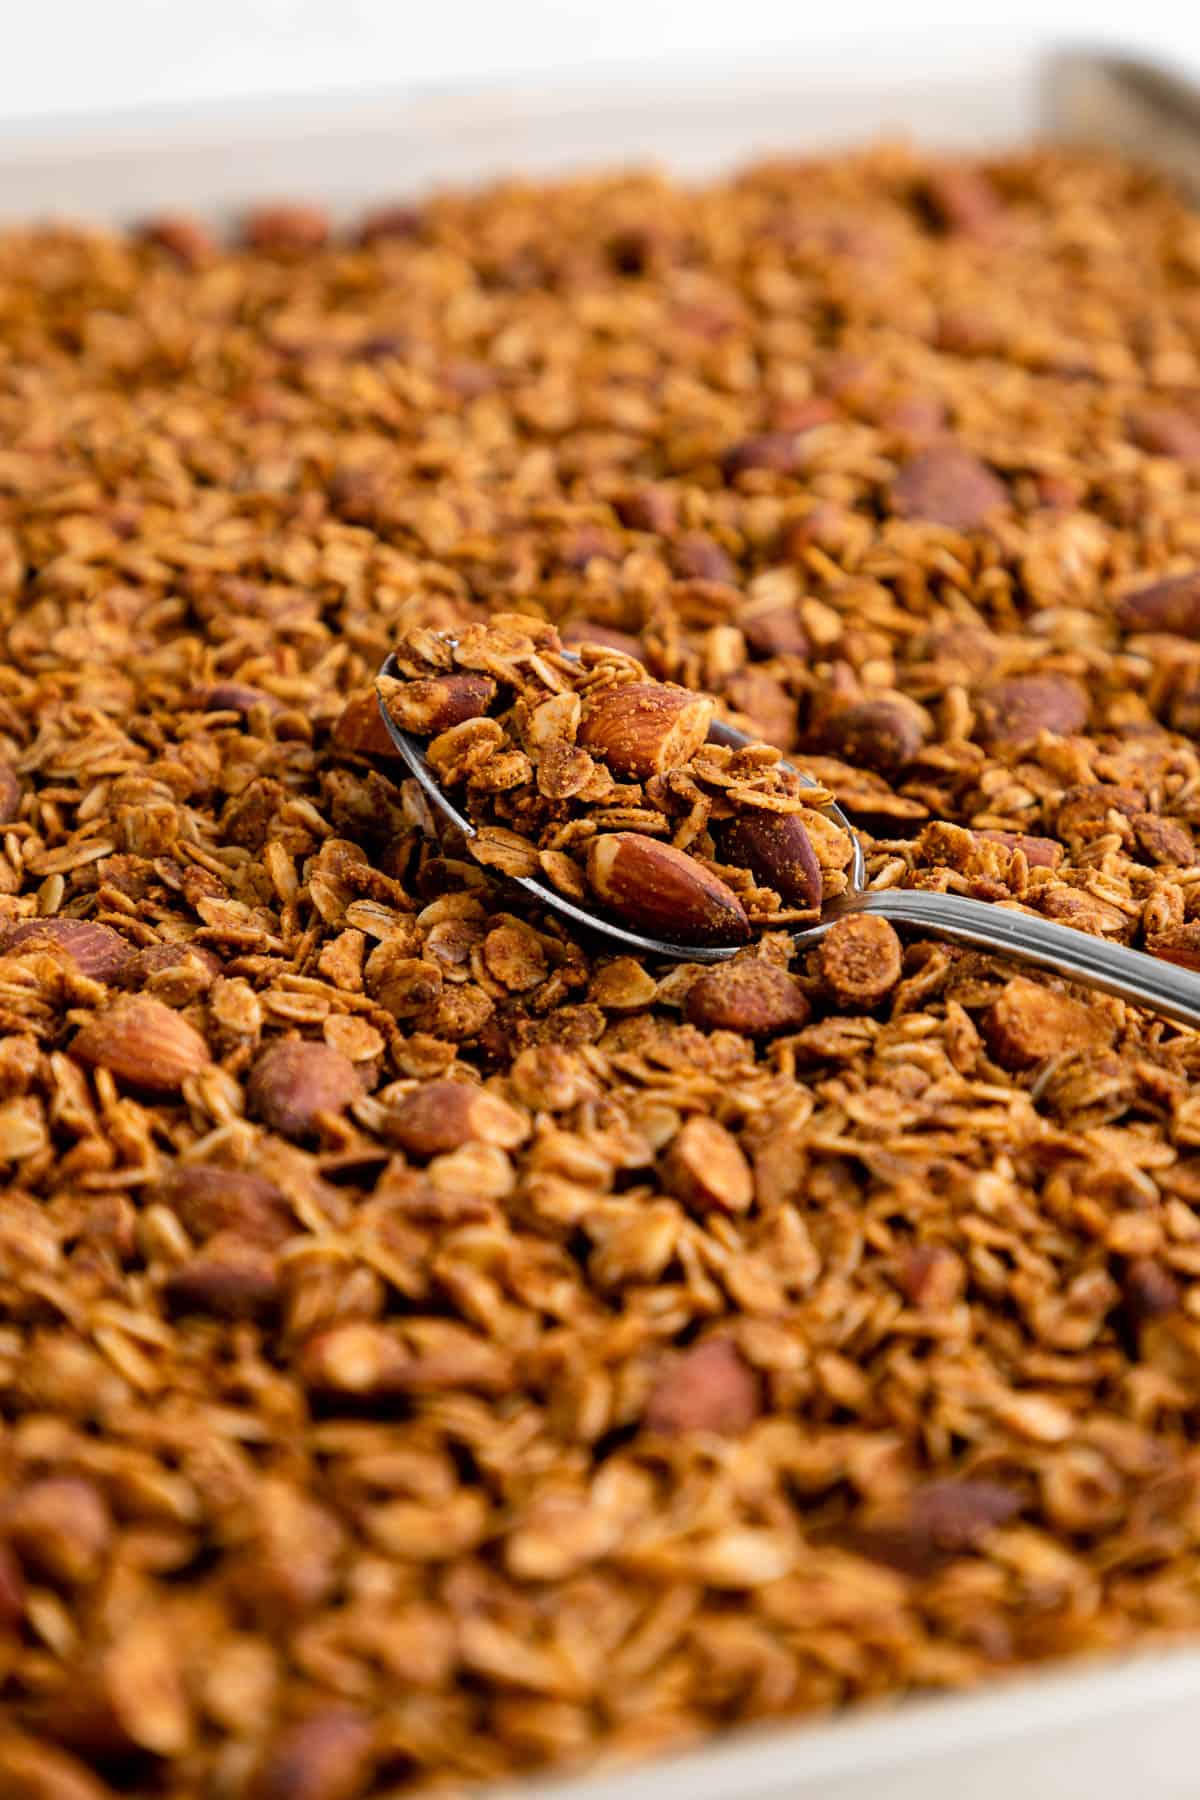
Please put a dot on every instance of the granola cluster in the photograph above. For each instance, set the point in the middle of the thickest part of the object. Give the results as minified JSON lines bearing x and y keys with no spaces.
{"x":579,"y":769}
{"x":432,"y":1349}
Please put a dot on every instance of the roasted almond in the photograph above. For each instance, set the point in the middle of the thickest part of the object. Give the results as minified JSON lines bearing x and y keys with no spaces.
{"x":295,"y":1082}
{"x":441,"y":1116}
{"x":707,"y":1388}
{"x":286,"y":228}
{"x":778,"y":852}
{"x":772,"y":628}
{"x":228,"y":1279}
{"x":645,"y":728}
{"x":430,"y":706}
{"x":209,"y":1200}
{"x":750,"y":996}
{"x":360,"y":730}
{"x":326,"y":1756}
{"x":1172,"y":605}
{"x":657,"y":889}
{"x":648,"y":508}
{"x":881,"y":735}
{"x":1166,"y":431}
{"x":96,"y":950}
{"x":947,"y":485}
{"x":143,"y":1043}
{"x":1014,"y":711}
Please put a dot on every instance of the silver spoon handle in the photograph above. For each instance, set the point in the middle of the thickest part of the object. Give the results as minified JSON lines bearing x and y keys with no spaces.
{"x":1131,"y":975}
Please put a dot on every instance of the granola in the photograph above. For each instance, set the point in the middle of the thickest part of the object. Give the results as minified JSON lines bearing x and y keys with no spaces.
{"x":579,"y":768}
{"x":433,"y":1349}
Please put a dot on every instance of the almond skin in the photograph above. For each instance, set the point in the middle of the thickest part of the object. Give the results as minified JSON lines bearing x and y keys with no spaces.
{"x":360,"y":730}
{"x":143,"y":1043}
{"x":881,"y":735}
{"x":707,"y":1388}
{"x":208,"y":1200}
{"x":326,"y":1756}
{"x":655,"y":888}
{"x":441,"y":1116}
{"x":775,"y":848}
{"x":294,"y":1081}
{"x":427,"y":707}
{"x":1172,"y":605}
{"x":947,"y":485}
{"x":645,"y":728}
{"x":1015,"y":710}
{"x":96,"y":950}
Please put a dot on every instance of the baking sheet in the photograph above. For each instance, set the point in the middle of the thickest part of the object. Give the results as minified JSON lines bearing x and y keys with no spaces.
{"x":348,"y":154}
{"x":1099,"y":1732}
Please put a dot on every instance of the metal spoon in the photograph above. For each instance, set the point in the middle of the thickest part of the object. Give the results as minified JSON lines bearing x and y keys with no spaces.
{"x":1112,"y":968}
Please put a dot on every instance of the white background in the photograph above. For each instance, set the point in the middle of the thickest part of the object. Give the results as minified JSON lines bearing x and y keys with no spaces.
{"x":64,"y":57}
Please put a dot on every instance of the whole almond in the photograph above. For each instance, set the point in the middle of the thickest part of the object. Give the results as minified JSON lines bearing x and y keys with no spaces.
{"x":236,"y":696}
{"x":441,"y":1116}
{"x":947,"y":485}
{"x":96,"y":950}
{"x":143,"y":1043}
{"x":752,"y":997}
{"x":294,"y":1081}
{"x":1166,"y":431}
{"x":433,"y":705}
{"x":286,"y":228}
{"x":708,"y":1388}
{"x":1014,"y":711}
{"x":228,"y":1279}
{"x":584,"y":631}
{"x":859,"y":958}
{"x":326,"y":1756}
{"x":648,"y":508}
{"x":1178,"y":944}
{"x":772,"y":628}
{"x":1172,"y":605}
{"x":706,"y":1168}
{"x":645,"y":728}
{"x":10,"y":793}
{"x":881,"y":735}
{"x":777,"y":850}
{"x":360,"y":730}
{"x":208,"y":1200}
{"x":182,"y":236}
{"x":697,"y":557}
{"x":1039,"y":852}
{"x":657,"y":889}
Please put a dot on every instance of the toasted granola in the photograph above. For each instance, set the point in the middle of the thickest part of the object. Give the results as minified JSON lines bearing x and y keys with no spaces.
{"x":579,"y":768}
{"x":431,"y":1348}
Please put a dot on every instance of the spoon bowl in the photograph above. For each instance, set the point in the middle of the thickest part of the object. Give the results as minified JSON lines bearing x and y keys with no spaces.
{"x":999,"y":927}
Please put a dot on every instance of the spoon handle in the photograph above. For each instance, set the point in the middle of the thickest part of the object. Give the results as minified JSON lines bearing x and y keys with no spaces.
{"x":1113,"y":968}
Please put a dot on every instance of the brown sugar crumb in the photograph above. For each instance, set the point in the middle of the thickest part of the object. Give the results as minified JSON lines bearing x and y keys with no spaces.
{"x":421,"y":1329}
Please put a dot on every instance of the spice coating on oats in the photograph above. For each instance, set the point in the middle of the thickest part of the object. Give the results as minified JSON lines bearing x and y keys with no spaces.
{"x":605,"y":782}
{"x":628,"y":1351}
